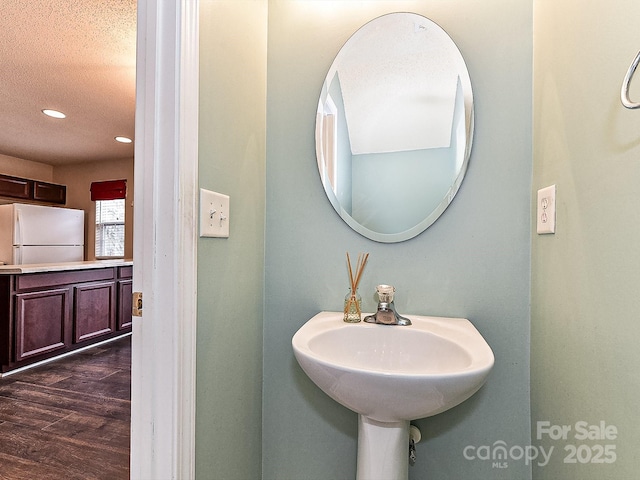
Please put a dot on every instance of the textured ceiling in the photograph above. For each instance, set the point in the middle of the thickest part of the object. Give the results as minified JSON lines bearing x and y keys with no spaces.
{"x":76,"y":56}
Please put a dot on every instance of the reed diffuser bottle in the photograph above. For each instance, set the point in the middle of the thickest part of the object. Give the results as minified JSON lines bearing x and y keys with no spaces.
{"x":353,"y":301}
{"x":352,"y":307}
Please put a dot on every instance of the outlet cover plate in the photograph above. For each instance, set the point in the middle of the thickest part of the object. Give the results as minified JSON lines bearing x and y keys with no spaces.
{"x":214,"y":214}
{"x":546,"y":211}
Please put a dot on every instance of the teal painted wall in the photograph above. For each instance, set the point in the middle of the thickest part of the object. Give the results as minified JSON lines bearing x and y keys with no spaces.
{"x":585,"y":303}
{"x":230,"y":271}
{"x":473,"y":262}
{"x":415,"y":184}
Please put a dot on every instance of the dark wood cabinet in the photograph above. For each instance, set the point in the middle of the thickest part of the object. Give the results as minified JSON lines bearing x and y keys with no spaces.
{"x":42,"y":322}
{"x":45,"y":314}
{"x":125,"y":297}
{"x":94,"y":310}
{"x":49,"y":192}
{"x":6,"y":316}
{"x":14,"y":187}
{"x":33,"y":190}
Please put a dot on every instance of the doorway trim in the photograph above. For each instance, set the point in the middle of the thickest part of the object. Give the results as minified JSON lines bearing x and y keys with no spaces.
{"x":165,"y":241}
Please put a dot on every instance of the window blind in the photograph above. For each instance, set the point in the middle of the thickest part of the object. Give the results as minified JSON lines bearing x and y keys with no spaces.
{"x":109,"y":190}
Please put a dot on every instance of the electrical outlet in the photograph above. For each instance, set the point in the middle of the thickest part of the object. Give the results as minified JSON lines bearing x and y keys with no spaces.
{"x":546,"y":211}
{"x":214,"y":214}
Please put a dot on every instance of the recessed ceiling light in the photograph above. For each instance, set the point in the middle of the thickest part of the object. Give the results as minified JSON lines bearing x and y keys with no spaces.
{"x":123,"y":139}
{"x":53,"y":113}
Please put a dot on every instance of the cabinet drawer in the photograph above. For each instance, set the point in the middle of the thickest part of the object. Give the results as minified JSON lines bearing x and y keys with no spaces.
{"x":43,"y":280}
{"x":125,"y":272}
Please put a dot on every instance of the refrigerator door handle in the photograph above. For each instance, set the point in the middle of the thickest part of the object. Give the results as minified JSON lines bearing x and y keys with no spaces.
{"x":18,"y":238}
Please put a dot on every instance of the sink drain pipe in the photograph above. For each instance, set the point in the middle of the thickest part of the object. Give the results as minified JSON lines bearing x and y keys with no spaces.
{"x":414,"y":437}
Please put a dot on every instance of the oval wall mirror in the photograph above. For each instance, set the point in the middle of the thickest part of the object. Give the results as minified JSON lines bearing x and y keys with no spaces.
{"x":394,"y":127}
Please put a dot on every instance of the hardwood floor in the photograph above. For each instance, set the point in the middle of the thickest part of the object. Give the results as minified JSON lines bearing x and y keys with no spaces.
{"x":69,"y":419}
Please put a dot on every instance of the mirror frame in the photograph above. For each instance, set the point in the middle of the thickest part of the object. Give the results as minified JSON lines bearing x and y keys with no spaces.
{"x":434,"y":214}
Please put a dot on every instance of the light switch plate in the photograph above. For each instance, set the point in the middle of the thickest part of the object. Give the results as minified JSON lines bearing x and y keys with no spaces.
{"x":214,"y":214}
{"x":546,"y":210}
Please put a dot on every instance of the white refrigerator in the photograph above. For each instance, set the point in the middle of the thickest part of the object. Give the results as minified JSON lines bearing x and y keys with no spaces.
{"x":40,"y":234}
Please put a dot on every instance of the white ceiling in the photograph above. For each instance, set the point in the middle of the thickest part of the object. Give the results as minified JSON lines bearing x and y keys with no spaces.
{"x":399,"y":78}
{"x":76,"y":56}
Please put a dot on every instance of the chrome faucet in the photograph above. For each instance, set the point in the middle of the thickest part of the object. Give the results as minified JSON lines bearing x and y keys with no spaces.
{"x":386,"y":313}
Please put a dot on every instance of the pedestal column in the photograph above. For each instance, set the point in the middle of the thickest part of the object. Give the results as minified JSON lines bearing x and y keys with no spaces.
{"x":383,"y":450}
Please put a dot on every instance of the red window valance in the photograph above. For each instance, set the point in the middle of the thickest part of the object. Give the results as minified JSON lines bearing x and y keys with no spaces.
{"x":109,"y":190}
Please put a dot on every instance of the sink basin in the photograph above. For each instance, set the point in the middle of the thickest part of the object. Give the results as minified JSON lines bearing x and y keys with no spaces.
{"x":394,"y":373}
{"x":390,"y":375}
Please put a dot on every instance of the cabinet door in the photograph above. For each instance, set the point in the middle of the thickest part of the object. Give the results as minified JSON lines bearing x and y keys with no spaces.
{"x":94,"y":310}
{"x":15,"y":187}
{"x":42,"y":322}
{"x":49,"y":192}
{"x":125,"y":290}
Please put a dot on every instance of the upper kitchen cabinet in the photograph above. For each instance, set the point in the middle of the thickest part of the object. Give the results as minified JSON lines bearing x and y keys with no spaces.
{"x":49,"y":192}
{"x":14,"y":187}
{"x":35,"y":190}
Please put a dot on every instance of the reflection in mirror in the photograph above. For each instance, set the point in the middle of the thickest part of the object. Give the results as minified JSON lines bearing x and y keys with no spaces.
{"x":394,"y":127}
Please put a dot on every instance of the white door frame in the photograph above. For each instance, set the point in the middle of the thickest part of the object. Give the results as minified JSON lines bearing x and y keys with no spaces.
{"x":165,"y":221}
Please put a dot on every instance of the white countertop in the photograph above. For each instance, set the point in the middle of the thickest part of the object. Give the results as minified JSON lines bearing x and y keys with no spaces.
{"x":61,"y":267}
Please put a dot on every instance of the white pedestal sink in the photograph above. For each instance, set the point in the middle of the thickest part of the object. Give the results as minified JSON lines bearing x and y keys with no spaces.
{"x":391,"y":375}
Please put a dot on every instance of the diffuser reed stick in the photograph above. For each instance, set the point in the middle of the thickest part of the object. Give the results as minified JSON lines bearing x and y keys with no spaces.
{"x":353,"y":301}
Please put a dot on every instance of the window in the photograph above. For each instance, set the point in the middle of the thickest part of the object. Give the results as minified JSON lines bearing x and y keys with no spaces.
{"x":109,"y":197}
{"x":110,"y":228}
